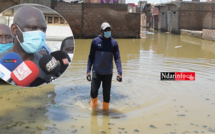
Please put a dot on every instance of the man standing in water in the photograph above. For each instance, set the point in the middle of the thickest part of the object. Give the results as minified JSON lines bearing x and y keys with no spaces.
{"x":103,"y":49}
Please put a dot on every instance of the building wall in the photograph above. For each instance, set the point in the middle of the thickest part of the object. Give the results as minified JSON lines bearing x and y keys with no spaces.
{"x":121,"y":1}
{"x":85,"y":19}
{"x":208,"y":34}
{"x":6,"y":4}
{"x":104,"y":1}
{"x":163,"y":18}
{"x":168,"y":18}
{"x":42,"y":2}
{"x":155,"y":22}
{"x":143,"y":21}
{"x":197,"y":16}
{"x":94,"y":1}
{"x":155,"y":14}
{"x":187,"y":15}
{"x":174,"y":19}
{"x":73,"y":15}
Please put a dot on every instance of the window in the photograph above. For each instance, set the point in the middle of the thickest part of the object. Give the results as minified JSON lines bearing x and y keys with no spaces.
{"x":50,"y":20}
{"x":55,"y":19}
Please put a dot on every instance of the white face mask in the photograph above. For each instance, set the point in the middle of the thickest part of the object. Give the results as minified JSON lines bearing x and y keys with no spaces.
{"x":70,"y":56}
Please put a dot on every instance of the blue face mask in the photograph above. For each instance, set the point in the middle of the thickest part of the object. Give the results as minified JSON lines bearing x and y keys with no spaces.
{"x":107,"y":34}
{"x":33,"y":41}
{"x":4,"y":47}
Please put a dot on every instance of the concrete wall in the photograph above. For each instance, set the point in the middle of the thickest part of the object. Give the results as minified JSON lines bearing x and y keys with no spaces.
{"x":191,"y":33}
{"x":174,"y":19}
{"x":73,"y":15}
{"x":143,"y":21}
{"x":42,"y":2}
{"x":4,"y":4}
{"x":85,"y":19}
{"x":208,"y":34}
{"x":187,"y":15}
{"x":197,"y":16}
{"x":163,"y":18}
{"x":168,"y":18}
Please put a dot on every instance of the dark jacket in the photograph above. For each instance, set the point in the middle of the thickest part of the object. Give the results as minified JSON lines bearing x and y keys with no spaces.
{"x":101,"y":56}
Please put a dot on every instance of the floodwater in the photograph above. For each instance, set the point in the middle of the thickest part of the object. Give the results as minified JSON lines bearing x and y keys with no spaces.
{"x":142,"y":103}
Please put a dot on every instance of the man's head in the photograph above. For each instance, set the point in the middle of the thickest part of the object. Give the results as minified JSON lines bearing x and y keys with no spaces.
{"x":106,"y":30}
{"x":6,"y":35}
{"x":68,"y":45}
{"x":6,"y":38}
{"x":29,"y":24}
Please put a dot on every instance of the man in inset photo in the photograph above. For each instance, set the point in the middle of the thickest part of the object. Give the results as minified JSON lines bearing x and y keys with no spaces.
{"x":28,"y":28}
{"x":68,"y":46}
{"x":6,"y":38}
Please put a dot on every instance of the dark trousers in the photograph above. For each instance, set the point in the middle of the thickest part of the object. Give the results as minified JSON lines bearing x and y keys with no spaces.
{"x":106,"y":85}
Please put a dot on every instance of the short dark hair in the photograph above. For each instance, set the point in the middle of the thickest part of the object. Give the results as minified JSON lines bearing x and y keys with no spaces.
{"x":63,"y":42}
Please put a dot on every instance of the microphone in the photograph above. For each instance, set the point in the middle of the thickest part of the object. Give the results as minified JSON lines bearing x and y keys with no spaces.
{"x":7,"y":64}
{"x":49,"y":65}
{"x":24,"y":74}
{"x":39,"y":81}
{"x":63,"y":59}
{"x":50,"y":78}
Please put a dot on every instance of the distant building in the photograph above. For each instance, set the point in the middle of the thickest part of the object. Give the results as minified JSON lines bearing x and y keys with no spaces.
{"x":145,"y":9}
{"x":176,"y":15}
{"x":132,"y":8}
{"x":94,"y":1}
{"x":155,"y":14}
{"x":104,"y":1}
{"x":121,"y":1}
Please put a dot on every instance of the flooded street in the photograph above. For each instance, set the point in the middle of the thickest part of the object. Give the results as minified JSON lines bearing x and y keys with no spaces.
{"x":142,"y":103}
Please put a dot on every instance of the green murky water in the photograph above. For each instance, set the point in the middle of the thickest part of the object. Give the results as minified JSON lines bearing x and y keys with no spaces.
{"x":141,"y":103}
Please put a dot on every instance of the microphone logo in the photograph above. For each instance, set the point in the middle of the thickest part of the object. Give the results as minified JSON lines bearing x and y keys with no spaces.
{"x":22,"y":71}
{"x":15,"y":61}
{"x":65,"y":61}
{"x":51,"y":64}
{"x":10,"y":60}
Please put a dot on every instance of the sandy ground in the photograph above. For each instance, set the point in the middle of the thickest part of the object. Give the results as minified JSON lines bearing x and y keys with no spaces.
{"x":23,"y":109}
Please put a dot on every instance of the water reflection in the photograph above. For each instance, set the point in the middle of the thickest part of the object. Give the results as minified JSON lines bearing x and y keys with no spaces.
{"x":180,"y":46}
{"x":97,"y":127}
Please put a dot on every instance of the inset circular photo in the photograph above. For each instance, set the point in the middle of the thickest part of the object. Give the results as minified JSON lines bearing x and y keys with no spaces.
{"x":36,"y":45}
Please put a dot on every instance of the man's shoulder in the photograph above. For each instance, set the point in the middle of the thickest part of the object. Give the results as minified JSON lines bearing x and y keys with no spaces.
{"x":98,"y":38}
{"x":114,"y":42}
{"x":113,"y":39}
